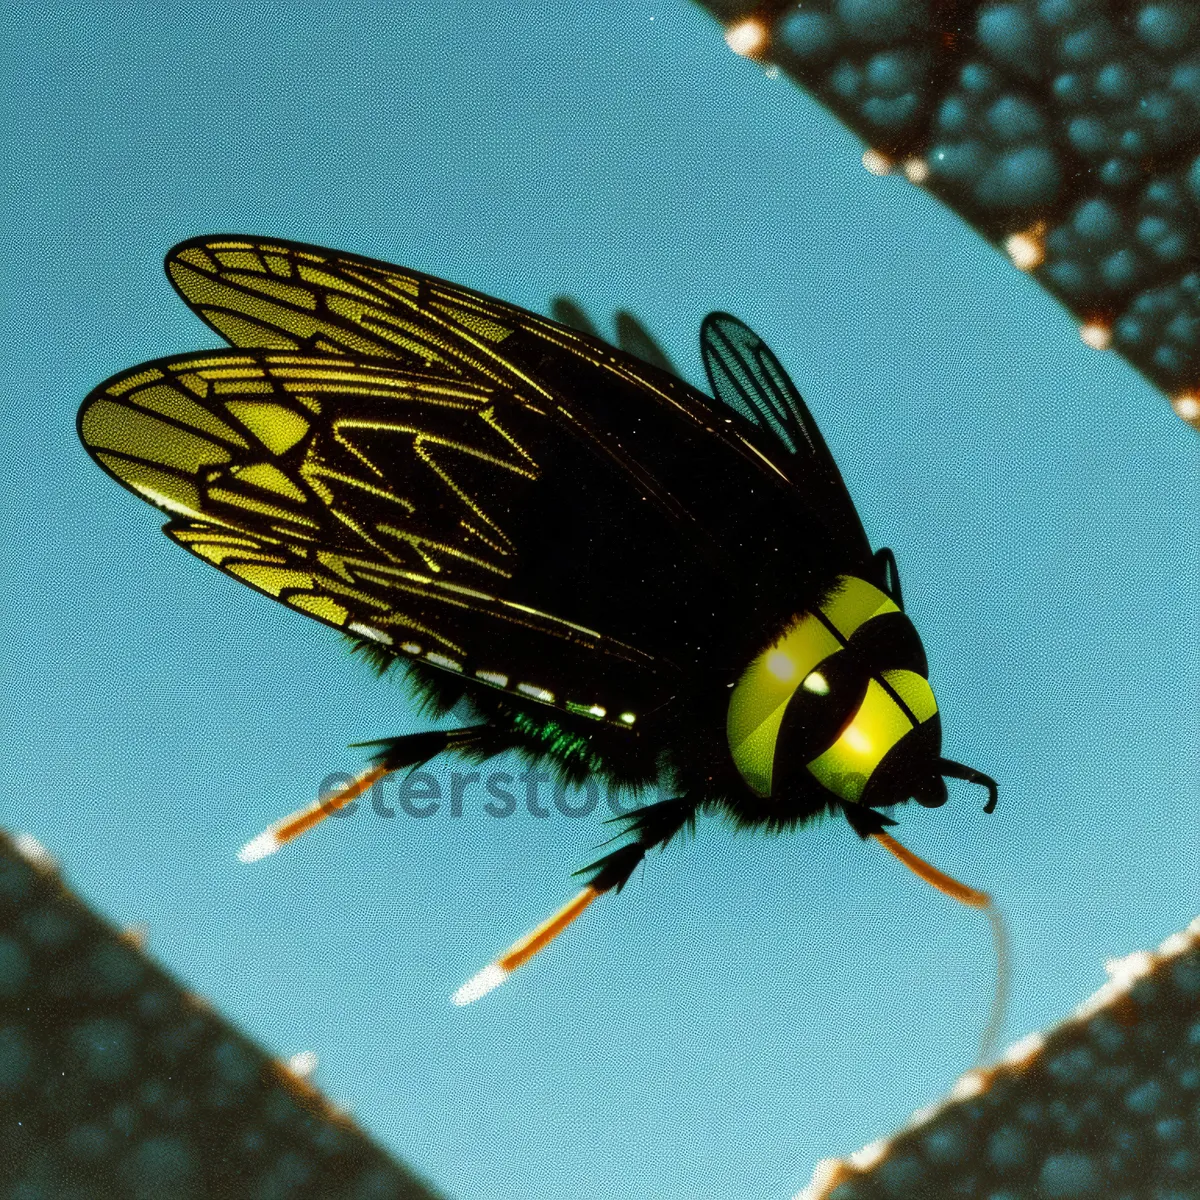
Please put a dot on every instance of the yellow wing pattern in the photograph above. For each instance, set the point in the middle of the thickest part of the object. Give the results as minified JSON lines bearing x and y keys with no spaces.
{"x":283,"y":295}
{"x":356,"y":492}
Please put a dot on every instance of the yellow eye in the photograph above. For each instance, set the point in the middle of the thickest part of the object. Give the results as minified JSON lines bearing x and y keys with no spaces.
{"x":781,"y":665}
{"x":816,"y":683}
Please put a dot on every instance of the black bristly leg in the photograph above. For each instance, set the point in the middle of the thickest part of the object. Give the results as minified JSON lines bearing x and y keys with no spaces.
{"x":653,"y":827}
{"x":416,"y":749}
{"x":866,"y":822}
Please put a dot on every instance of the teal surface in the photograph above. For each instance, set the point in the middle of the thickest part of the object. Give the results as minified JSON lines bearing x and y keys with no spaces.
{"x":747,"y":1006}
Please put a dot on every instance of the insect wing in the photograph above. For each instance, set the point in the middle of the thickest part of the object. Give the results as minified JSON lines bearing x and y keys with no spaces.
{"x":702,"y":467}
{"x":287,"y":295}
{"x":747,"y":376}
{"x":385,"y":503}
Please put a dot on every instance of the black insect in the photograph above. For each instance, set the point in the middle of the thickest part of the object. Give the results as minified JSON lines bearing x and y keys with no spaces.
{"x":612,"y":573}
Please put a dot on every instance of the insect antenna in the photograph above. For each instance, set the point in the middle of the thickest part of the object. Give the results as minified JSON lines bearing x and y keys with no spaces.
{"x":972,"y":898}
{"x":411,"y":751}
{"x":955,"y":770}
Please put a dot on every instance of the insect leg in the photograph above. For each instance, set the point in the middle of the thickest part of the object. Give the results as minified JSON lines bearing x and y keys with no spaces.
{"x":866,"y":822}
{"x":654,"y":825}
{"x":938,"y":880}
{"x":522,"y":950}
{"x":394,"y":754}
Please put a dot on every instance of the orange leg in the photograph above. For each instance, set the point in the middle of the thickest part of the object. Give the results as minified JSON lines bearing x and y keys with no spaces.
{"x":303,"y":819}
{"x":521,"y":951}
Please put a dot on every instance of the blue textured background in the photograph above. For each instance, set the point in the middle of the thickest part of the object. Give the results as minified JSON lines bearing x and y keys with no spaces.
{"x":748,"y":1006}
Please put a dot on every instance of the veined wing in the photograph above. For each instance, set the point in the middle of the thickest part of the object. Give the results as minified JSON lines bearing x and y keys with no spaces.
{"x":747,"y":376}
{"x":387,"y":503}
{"x":282,"y":295}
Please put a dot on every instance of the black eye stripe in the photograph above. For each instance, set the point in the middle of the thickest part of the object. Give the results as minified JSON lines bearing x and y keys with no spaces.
{"x":811,"y":722}
{"x":887,"y":641}
{"x":833,"y":629}
{"x":823,"y":715}
{"x":882,"y":625}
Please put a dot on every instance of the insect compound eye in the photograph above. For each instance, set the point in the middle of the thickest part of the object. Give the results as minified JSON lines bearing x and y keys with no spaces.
{"x":781,"y":665}
{"x":819,"y":710}
{"x":853,"y":603}
{"x":826,"y":699}
{"x":907,"y":770}
{"x":768,"y":689}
